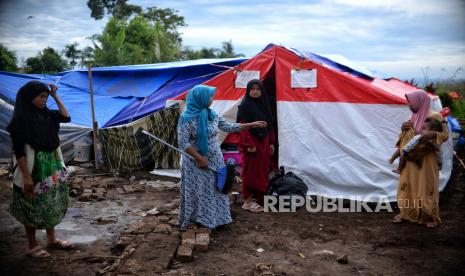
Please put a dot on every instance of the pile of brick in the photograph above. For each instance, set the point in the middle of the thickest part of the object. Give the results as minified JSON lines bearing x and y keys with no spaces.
{"x":195,"y":238}
{"x":148,"y":246}
{"x":90,"y":188}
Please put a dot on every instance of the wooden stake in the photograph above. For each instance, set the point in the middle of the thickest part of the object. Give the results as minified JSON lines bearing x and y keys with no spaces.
{"x":460,"y":160}
{"x":94,"y":123}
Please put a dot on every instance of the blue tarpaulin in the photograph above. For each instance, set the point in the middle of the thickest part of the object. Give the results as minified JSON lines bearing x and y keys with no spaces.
{"x":183,"y":81}
{"x":121,"y":93}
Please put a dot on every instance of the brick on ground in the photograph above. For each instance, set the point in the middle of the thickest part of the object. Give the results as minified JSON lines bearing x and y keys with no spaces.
{"x":201,"y":242}
{"x":184,"y":253}
{"x":188,"y":238}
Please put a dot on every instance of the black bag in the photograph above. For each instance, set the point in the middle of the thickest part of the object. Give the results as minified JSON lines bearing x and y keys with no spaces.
{"x":287,"y":184}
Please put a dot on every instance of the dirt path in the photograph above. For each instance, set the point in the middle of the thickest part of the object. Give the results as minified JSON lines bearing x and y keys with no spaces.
{"x":298,"y":243}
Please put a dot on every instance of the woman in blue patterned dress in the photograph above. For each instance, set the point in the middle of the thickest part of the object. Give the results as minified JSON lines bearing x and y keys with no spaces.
{"x":198,"y":126}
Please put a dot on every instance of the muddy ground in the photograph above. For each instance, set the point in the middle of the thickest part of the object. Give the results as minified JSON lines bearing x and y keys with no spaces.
{"x":115,"y":235}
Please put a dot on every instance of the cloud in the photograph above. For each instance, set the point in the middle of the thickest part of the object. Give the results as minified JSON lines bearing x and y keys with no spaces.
{"x":389,"y":35}
{"x":53,"y":24}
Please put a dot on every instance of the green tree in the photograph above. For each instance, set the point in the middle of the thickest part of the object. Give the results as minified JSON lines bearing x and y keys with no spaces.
{"x":108,"y":46}
{"x":136,"y":40}
{"x":431,"y":87}
{"x":47,"y":61}
{"x":119,"y":9}
{"x":135,"y":36}
{"x":140,"y":44}
{"x":86,"y":56}
{"x":166,"y":23}
{"x":228,"y":50}
{"x":72,"y":53}
{"x":412,"y":82}
{"x":7,"y":59}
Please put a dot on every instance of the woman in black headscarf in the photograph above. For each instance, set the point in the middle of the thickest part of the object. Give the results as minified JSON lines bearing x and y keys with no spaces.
{"x":40,"y":191}
{"x":256,"y":145}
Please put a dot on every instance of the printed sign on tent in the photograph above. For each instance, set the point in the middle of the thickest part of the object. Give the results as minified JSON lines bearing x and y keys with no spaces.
{"x":243,"y":77}
{"x":303,"y":78}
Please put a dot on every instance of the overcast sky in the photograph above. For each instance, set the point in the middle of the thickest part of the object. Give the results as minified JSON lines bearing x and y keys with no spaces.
{"x":400,"y":38}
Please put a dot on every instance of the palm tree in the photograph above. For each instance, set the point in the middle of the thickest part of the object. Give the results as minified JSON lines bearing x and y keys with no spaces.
{"x":87,"y":55}
{"x":72,"y":53}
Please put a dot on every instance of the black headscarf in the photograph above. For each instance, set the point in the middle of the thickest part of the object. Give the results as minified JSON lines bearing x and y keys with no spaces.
{"x":256,"y":109}
{"x":31,"y":125}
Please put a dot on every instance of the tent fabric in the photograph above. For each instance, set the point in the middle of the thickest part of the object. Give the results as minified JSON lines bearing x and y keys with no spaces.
{"x":126,"y":150}
{"x":337,"y":62}
{"x":6,"y":111}
{"x":11,"y":82}
{"x":133,"y":80}
{"x":119,"y":90}
{"x":69,"y":133}
{"x":78,"y":105}
{"x":185,"y":79}
{"x":119,"y":83}
{"x":336,"y":136}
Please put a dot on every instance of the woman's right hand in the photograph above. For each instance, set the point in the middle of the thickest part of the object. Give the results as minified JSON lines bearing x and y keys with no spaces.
{"x":407,"y":125}
{"x":28,"y":186}
{"x":202,"y":162}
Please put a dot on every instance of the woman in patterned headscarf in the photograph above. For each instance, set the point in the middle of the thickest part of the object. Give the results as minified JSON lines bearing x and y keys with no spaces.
{"x":418,"y":189}
{"x":200,"y":201}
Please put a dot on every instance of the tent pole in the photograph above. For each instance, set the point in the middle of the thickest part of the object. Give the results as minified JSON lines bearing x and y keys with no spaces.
{"x":94,"y":123}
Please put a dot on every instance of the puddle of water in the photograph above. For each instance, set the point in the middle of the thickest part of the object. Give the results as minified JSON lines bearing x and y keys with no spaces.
{"x":76,"y":212}
{"x":82,"y":238}
{"x":68,"y":226}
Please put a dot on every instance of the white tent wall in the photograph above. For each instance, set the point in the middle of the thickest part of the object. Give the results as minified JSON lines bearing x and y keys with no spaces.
{"x":341,"y":149}
{"x":227,"y":109}
{"x":6,"y":111}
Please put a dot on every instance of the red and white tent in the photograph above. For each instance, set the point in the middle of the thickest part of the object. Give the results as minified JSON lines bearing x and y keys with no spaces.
{"x":336,"y":126}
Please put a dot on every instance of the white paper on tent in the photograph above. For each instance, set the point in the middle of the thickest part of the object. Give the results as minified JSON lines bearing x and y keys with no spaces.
{"x":303,"y":78}
{"x":243,"y":77}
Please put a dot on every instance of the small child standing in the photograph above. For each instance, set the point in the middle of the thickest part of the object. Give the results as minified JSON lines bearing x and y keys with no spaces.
{"x":416,"y":149}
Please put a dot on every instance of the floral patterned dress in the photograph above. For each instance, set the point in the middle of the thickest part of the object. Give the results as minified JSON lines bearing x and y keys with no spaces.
{"x":50,"y":203}
{"x":200,"y":201}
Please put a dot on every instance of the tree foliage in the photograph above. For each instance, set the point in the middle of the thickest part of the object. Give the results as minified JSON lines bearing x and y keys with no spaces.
{"x":227,"y":51}
{"x":119,"y":9}
{"x":135,"y":36}
{"x":72,"y":52}
{"x":46,"y":61}
{"x":7,"y":59}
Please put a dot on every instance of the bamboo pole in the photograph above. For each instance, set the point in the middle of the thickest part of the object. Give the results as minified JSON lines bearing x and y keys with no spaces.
{"x":94,"y":123}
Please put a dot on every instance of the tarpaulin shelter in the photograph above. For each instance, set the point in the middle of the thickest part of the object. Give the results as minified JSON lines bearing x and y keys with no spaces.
{"x":122,"y":94}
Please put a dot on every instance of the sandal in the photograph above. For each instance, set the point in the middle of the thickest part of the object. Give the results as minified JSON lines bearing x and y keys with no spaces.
{"x":59,"y":244}
{"x":254,"y":208}
{"x":37,"y":252}
{"x":246,"y":205}
{"x":431,"y":225}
